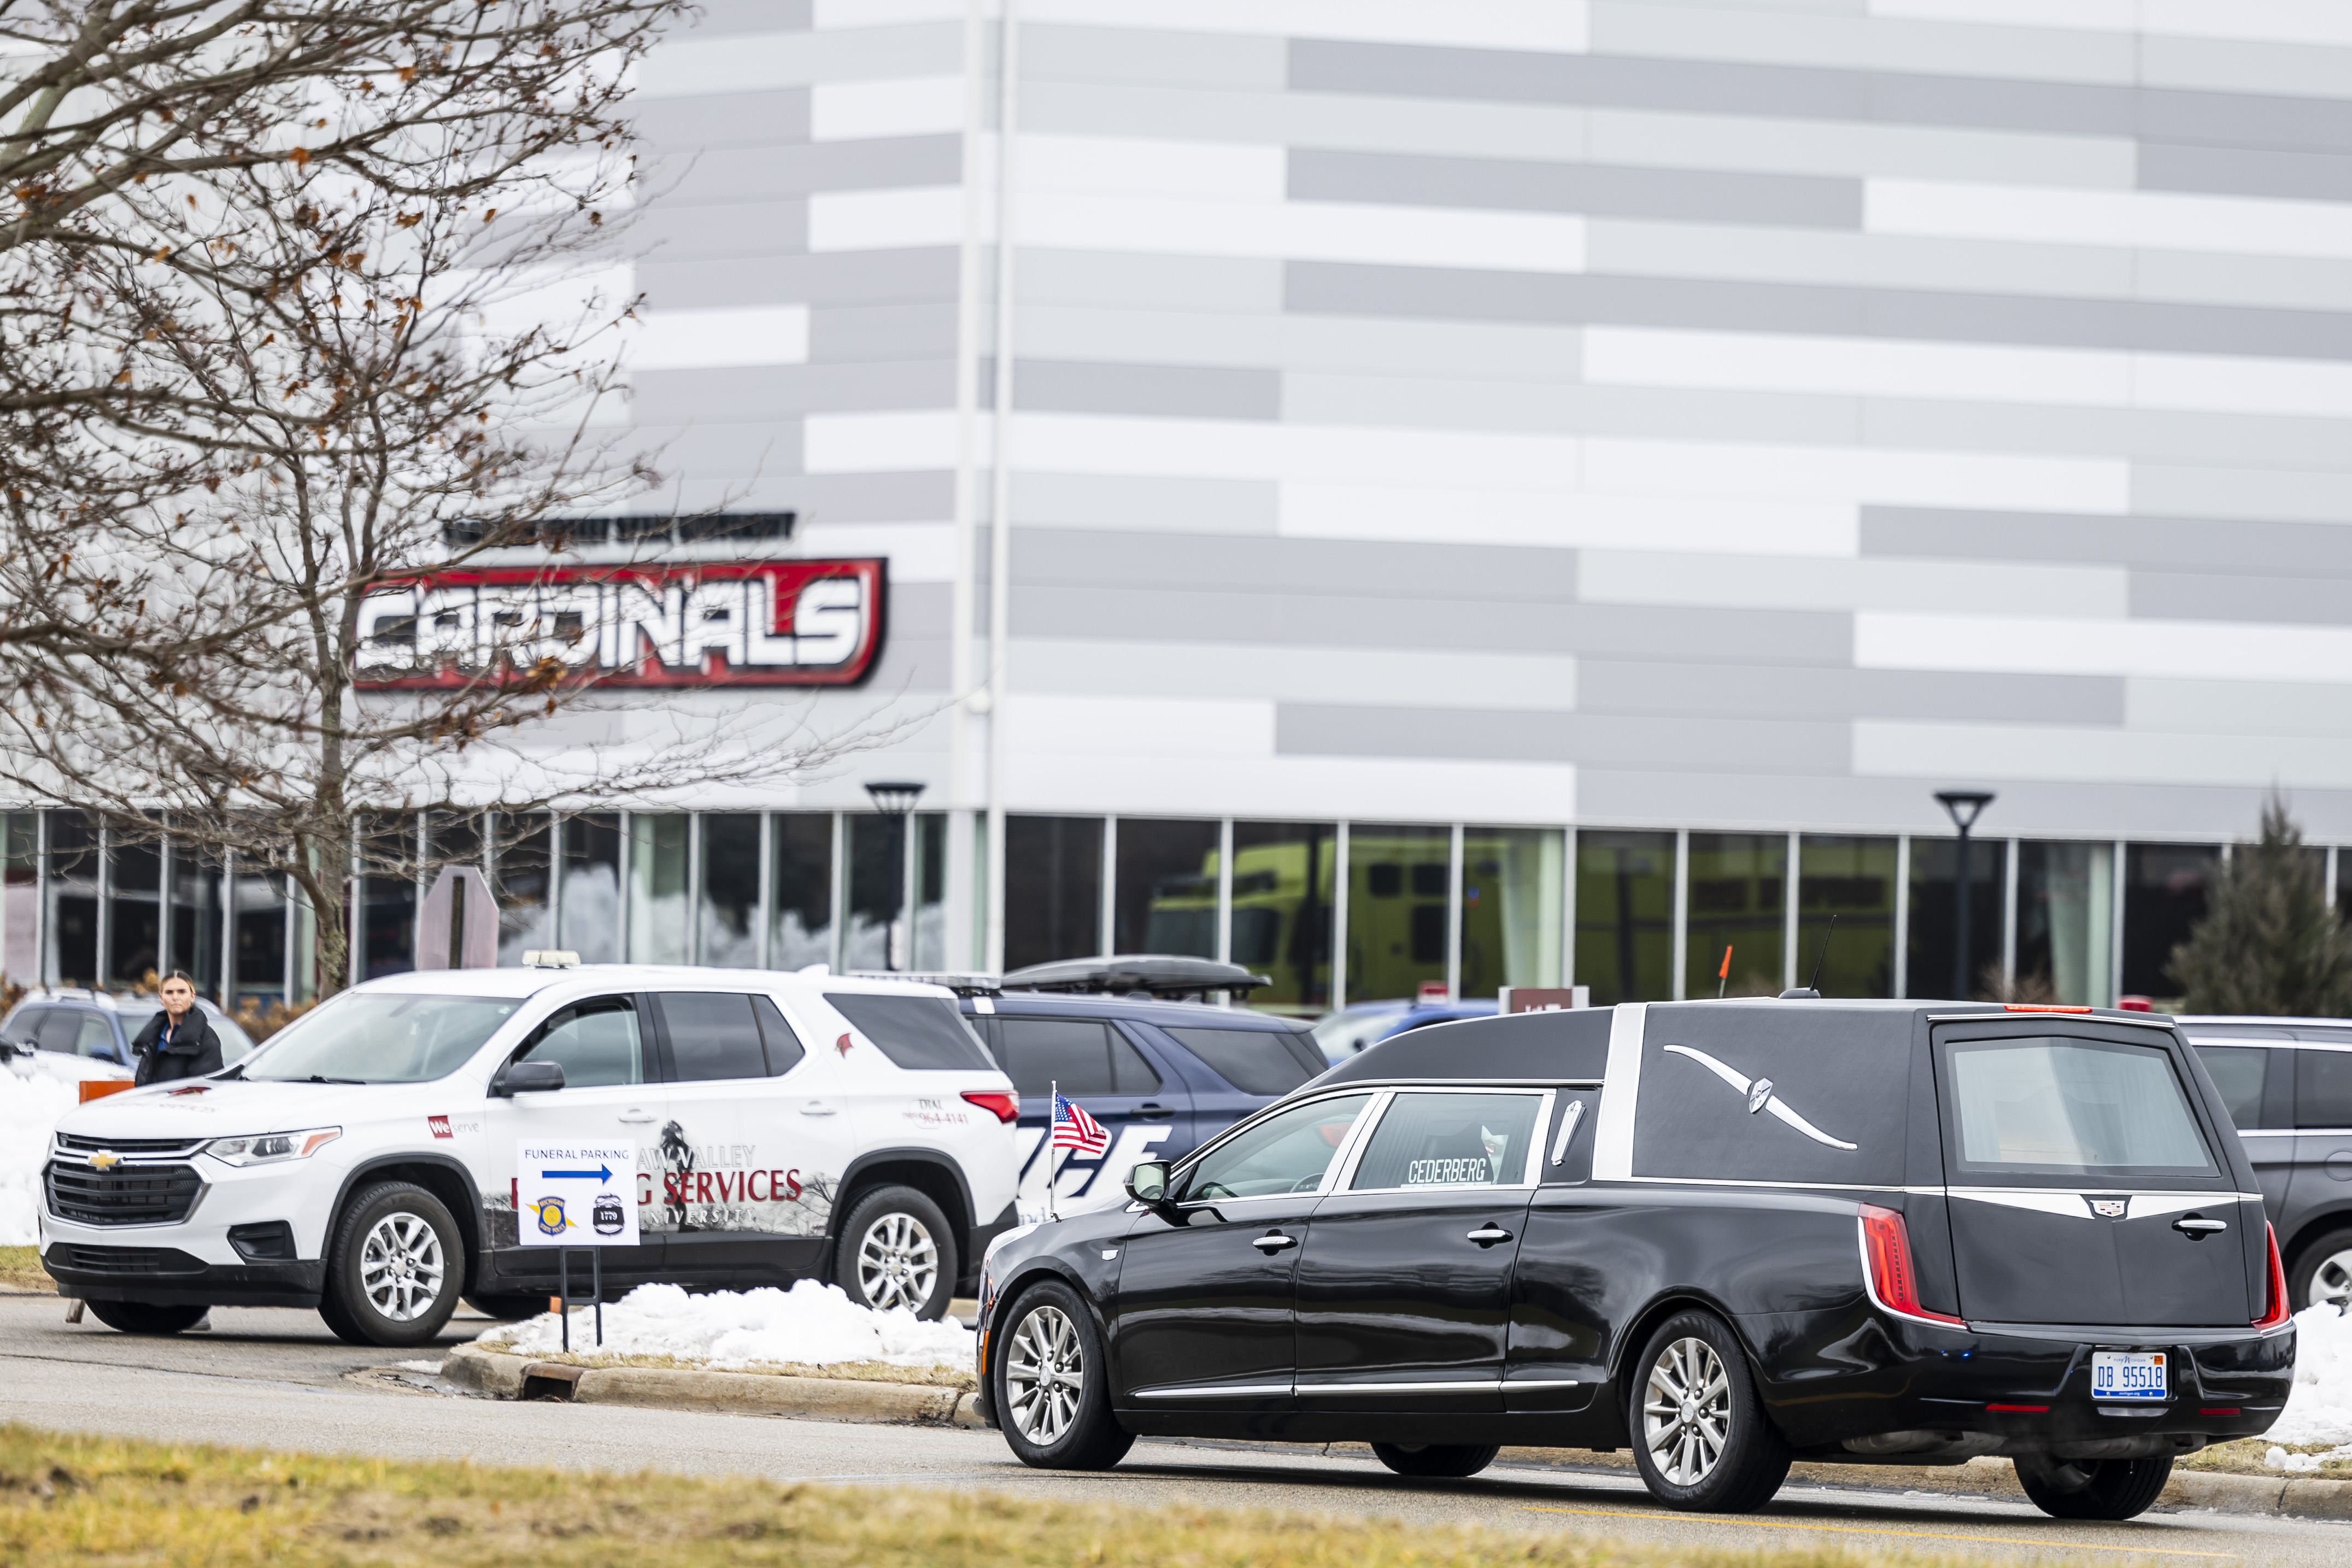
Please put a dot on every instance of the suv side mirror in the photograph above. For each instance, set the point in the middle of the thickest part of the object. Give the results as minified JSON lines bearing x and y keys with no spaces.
{"x":526,"y":1077}
{"x":1147,"y":1183}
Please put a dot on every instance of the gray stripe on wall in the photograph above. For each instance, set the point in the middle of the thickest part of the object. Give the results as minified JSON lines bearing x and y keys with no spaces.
{"x":1348,"y":288}
{"x":1740,"y":688}
{"x":850,"y":332}
{"x":762,"y":229}
{"x":1319,"y":729}
{"x":1271,"y":566}
{"x":777,"y":391}
{"x":2237,"y":171}
{"x":2208,"y":596}
{"x":1168,"y":391}
{"x":686,"y":125}
{"x":2157,"y":542}
{"x":832,"y":278}
{"x":719,"y":175}
{"x":1795,"y":201}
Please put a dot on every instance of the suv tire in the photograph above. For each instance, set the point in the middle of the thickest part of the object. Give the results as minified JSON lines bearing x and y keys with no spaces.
{"x":511,"y":1308}
{"x":2324,"y":1263}
{"x":1700,"y":1436}
{"x":1049,"y":1385}
{"x":1450,"y":1461}
{"x":394,"y":1266}
{"x":896,"y":1250}
{"x":146,"y":1317}
{"x":2094,"y":1488}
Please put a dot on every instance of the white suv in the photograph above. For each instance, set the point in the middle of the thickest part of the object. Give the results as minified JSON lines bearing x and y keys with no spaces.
{"x":362,"y":1161}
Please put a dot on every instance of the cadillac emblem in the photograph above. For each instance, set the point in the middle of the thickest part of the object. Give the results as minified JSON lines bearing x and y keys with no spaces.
{"x":2110,"y":1207}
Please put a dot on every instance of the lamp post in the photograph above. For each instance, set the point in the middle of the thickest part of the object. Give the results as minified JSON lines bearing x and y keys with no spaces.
{"x":1964,"y":806}
{"x":895,"y":800}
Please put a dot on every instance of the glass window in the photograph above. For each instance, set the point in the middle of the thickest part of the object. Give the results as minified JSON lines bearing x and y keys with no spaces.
{"x":135,"y":924}
{"x":1625,"y":916}
{"x":1040,"y":1053}
{"x":1130,"y":1072}
{"x":1738,"y":900}
{"x":785,"y":1049}
{"x":658,"y":927}
{"x":2065,"y":923}
{"x":521,"y":863}
{"x":591,"y":922}
{"x":1853,"y":880}
{"x":730,"y":890}
{"x":73,"y":899}
{"x":916,"y":1032}
{"x":800,"y":917}
{"x":388,"y":856}
{"x":24,"y":1024}
{"x":1511,"y":908}
{"x":929,"y":932}
{"x":1291,"y":1151}
{"x":375,"y":1036}
{"x":2237,"y":1072}
{"x":2164,"y":897}
{"x":1397,"y":900}
{"x":1450,"y":1140}
{"x":2323,"y":1089}
{"x":1254,"y":1060}
{"x":257,"y":905}
{"x":20,"y":865}
{"x":1935,"y":865}
{"x":196,"y":896}
{"x":1052,"y":889}
{"x":712,"y":1035}
{"x":2071,"y":1107}
{"x":597,"y":1043}
{"x":1284,"y":876}
{"x":1165,"y":897}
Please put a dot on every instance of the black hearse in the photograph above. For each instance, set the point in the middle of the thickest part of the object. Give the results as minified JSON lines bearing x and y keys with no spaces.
{"x":1727,"y":1234}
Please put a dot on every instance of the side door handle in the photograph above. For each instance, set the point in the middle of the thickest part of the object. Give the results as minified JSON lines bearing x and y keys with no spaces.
{"x":817,"y":1108}
{"x":635,"y":1116}
{"x":2197,"y":1228}
{"x":1488,"y":1235}
{"x":1151,"y":1108}
{"x":1272,"y":1242}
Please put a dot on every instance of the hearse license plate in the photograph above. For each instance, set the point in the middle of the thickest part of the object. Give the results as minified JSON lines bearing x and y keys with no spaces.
{"x":2128,"y":1375}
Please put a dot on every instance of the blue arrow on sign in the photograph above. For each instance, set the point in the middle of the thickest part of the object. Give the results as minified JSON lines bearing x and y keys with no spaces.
{"x":603,"y":1173}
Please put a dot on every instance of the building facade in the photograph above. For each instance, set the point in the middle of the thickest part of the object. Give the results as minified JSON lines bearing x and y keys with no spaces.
{"x":1504,"y":491}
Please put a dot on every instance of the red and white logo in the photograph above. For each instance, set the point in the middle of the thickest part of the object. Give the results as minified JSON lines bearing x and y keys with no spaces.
{"x":440,"y":1125}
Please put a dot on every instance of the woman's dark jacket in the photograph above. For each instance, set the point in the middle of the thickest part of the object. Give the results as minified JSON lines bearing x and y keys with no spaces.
{"x":195,"y":1051}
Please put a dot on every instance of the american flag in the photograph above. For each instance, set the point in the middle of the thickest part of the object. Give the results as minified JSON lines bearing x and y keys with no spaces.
{"x":1074,"y":1129}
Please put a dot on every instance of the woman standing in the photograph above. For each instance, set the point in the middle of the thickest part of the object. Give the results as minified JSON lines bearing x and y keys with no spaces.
{"x":177,"y":1043}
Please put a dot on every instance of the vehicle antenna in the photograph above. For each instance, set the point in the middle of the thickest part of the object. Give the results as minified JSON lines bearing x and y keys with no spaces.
{"x":1815,"y":985}
{"x":1723,"y":975}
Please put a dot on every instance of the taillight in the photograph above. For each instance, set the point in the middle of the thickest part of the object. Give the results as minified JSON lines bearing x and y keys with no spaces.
{"x":1006,"y":1107}
{"x":1894,"y":1282}
{"x":2275,"y":1305}
{"x":2040,"y":1007}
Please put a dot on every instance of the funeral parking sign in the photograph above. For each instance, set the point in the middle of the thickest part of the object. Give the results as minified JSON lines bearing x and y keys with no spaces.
{"x":576,"y":1195}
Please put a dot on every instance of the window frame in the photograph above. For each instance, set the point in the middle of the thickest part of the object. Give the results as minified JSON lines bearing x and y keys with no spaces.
{"x":669,"y":1070}
{"x":1181,"y":1172}
{"x":653,"y":1042}
{"x":1530,"y":1175}
{"x":2294,"y":1089}
{"x":1958,"y":1173}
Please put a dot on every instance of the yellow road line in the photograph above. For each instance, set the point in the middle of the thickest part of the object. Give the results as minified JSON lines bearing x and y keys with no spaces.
{"x":1914,"y":1534}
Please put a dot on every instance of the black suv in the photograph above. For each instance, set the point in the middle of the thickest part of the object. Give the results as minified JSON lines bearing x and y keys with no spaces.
{"x":1727,"y":1234}
{"x":2288,"y":1085}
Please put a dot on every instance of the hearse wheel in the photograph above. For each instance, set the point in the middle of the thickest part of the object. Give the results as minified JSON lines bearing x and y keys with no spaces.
{"x":2093,"y":1488}
{"x":394,"y":1266}
{"x":1048,"y":1375}
{"x":1448,"y":1461}
{"x":1700,"y":1435}
{"x":146,"y":1317}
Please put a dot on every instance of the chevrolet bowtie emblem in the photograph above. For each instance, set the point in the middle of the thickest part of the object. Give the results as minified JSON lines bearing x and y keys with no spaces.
{"x":104,"y":1161}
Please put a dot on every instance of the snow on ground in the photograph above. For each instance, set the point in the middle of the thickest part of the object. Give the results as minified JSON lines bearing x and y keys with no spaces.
{"x":30,"y":1104}
{"x":2319,"y":1406}
{"x":810,"y":1325}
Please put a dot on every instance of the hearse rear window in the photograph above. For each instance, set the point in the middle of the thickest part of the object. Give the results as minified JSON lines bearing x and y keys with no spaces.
{"x":2053,"y":1106}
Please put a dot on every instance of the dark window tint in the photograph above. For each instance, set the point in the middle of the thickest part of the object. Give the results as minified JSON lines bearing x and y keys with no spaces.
{"x":712,"y":1035}
{"x":77,"y":1033}
{"x":1130,"y":1072}
{"x":1450,"y":1140}
{"x":2237,"y":1072}
{"x":918,"y":1032}
{"x":2323,"y":1089}
{"x":785,"y":1049}
{"x":1041,"y":1053}
{"x":1254,"y":1060}
{"x":595,"y":1043}
{"x":25,"y":1025}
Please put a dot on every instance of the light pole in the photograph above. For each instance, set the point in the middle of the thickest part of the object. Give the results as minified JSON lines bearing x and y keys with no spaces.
{"x":895,"y":800}
{"x":1964,"y":807}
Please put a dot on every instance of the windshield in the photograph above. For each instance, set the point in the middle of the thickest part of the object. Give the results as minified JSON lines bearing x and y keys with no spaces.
{"x":377,"y":1037}
{"x":2073,"y":1108}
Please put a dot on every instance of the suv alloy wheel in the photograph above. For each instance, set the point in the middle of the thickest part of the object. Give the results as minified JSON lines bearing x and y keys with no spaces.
{"x":394,"y":1268}
{"x":896,"y":1250}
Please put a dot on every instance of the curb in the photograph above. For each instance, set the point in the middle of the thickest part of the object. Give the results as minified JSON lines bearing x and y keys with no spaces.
{"x":505,"y":1377}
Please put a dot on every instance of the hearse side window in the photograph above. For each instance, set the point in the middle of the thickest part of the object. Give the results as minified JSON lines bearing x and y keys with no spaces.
{"x":597,"y":1044}
{"x":2323,"y":1088}
{"x":1449,"y":1140}
{"x":919,"y":1033}
{"x":2237,"y":1072}
{"x":1286,"y":1153}
{"x":2071,"y":1107}
{"x":785,"y":1049}
{"x":1255,"y":1060}
{"x":712,"y":1036}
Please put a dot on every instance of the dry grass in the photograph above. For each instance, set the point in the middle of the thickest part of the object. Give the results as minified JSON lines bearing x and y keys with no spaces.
{"x":2244,"y":1457}
{"x":74,"y":1500}
{"x":21,"y":1267}
{"x":853,"y":1370}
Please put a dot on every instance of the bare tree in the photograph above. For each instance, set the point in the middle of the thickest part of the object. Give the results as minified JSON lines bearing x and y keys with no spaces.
{"x":345,"y":317}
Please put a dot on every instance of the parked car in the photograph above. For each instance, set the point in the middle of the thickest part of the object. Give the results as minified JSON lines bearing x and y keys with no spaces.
{"x":1361,"y":1025}
{"x":97,"y":1028}
{"x":1727,"y":1234}
{"x":2288,"y":1085}
{"x":365,"y":1160}
{"x":1162,"y":1076}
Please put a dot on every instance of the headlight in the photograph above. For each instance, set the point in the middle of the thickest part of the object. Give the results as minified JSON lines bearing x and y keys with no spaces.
{"x":268,"y":1148}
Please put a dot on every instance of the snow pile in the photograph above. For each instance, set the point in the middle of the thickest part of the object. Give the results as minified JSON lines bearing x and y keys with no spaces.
{"x":30,"y":1104}
{"x":810,"y":1325}
{"x":2319,"y":1406}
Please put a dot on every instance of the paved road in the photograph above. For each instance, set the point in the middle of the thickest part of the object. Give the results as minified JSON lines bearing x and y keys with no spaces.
{"x":267,"y":1379}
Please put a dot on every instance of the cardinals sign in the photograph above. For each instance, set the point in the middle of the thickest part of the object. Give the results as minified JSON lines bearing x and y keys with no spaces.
{"x":762,"y":623}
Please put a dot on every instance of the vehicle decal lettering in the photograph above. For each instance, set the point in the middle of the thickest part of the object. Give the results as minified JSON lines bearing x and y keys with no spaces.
{"x":1769,"y":1102}
{"x":730,"y":1186}
{"x":440,"y":1125}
